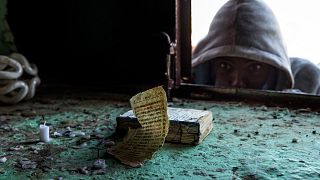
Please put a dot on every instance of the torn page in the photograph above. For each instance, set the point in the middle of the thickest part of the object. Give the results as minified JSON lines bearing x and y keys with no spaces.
{"x":150,"y":108}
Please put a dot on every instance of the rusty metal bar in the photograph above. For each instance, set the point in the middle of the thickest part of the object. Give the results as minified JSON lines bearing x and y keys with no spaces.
{"x":183,"y":42}
{"x":270,"y":98}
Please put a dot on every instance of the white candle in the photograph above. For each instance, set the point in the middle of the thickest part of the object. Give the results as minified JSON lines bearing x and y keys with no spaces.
{"x":44,"y":133}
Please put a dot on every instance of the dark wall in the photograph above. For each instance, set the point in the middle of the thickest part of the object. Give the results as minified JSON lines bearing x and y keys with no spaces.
{"x":99,"y":41}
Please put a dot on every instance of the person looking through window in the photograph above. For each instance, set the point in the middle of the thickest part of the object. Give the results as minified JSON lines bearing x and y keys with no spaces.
{"x":244,"y":48}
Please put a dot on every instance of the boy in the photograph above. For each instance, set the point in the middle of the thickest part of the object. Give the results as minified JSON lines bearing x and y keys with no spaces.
{"x":244,"y":49}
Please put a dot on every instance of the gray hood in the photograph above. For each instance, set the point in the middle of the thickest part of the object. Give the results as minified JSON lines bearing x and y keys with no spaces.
{"x":245,"y":29}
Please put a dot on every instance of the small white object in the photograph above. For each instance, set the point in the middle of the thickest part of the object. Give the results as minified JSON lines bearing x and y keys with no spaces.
{"x":57,"y":134}
{"x":76,"y":133}
{"x":3,"y":160}
{"x":44,"y":133}
{"x":68,"y":128}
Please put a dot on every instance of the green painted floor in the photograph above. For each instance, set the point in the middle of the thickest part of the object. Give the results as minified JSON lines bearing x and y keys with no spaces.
{"x":247,"y":141}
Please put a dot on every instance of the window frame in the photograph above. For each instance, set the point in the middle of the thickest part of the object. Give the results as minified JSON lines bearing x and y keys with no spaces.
{"x":182,"y":75}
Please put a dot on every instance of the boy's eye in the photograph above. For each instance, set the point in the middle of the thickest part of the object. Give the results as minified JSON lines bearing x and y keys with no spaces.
{"x":256,"y":67}
{"x":224,"y":65}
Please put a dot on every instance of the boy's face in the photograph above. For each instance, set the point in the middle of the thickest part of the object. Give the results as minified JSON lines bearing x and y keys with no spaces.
{"x":242,"y":73}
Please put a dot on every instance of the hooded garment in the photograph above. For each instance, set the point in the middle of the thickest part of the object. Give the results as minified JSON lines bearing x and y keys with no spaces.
{"x":306,"y":75}
{"x":245,"y":29}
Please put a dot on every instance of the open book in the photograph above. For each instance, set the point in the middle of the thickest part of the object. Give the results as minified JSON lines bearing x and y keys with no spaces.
{"x":187,"y":126}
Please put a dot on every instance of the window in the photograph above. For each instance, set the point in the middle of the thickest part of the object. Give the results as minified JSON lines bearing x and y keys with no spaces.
{"x":201,"y":13}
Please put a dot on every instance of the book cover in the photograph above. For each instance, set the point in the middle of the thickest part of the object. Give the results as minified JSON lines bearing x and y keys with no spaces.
{"x":187,"y":126}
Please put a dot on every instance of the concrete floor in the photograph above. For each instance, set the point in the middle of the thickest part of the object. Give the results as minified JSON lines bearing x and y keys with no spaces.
{"x":247,"y":142}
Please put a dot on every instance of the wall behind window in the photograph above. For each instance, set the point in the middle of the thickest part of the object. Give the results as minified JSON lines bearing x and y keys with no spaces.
{"x":101,"y":41}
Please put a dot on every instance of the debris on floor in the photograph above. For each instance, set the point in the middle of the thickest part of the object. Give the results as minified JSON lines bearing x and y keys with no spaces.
{"x":247,"y":141}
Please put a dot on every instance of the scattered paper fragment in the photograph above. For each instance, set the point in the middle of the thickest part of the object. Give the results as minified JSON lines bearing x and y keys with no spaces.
{"x":150,"y":108}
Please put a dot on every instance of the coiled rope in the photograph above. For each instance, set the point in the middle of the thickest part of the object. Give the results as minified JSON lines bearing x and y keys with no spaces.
{"x":13,"y":88}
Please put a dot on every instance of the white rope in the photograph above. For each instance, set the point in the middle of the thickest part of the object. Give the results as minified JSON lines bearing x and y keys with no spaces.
{"x":30,"y":69}
{"x":32,"y":84}
{"x":13,"y":89}
{"x":9,"y":68}
{"x":13,"y":92}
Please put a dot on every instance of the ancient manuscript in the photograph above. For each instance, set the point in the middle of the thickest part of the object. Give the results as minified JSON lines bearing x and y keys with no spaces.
{"x":150,"y":108}
{"x":187,"y":126}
